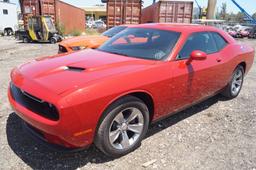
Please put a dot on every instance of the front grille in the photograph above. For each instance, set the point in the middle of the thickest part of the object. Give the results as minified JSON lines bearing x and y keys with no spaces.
{"x":62,"y":49}
{"x":34,"y":104}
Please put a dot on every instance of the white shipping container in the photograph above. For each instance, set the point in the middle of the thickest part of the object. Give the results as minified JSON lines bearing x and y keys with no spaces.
{"x":8,"y":18}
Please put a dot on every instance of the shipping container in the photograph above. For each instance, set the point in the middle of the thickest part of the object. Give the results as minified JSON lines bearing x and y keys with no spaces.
{"x":177,"y":11}
{"x":69,"y":17}
{"x":123,"y":12}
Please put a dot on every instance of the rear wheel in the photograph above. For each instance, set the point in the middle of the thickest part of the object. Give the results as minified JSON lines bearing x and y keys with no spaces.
{"x":9,"y":32}
{"x":234,"y":87}
{"x":124,"y":126}
{"x":53,"y":40}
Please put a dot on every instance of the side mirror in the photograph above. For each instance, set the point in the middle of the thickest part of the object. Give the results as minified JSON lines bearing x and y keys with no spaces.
{"x":197,"y":55}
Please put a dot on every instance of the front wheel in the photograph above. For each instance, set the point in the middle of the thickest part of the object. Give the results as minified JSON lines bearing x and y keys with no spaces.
{"x":26,"y":40}
{"x":234,"y":87}
{"x":123,"y":128}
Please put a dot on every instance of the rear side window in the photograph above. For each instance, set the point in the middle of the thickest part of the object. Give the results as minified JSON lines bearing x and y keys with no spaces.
{"x":202,"y":41}
{"x":220,"y":41}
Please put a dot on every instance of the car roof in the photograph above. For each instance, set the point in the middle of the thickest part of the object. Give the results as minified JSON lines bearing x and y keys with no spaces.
{"x":177,"y":27}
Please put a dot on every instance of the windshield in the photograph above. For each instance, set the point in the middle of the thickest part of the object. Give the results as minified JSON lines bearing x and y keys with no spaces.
{"x":113,"y":31}
{"x":50,"y":24}
{"x":142,"y":43}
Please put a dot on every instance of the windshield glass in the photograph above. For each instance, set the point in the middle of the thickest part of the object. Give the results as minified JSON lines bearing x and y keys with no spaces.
{"x":142,"y":43}
{"x":50,"y":24}
{"x":113,"y":31}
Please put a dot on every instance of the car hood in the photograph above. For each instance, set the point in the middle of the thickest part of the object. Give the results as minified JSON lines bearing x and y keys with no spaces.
{"x":86,"y":41}
{"x":62,"y":73}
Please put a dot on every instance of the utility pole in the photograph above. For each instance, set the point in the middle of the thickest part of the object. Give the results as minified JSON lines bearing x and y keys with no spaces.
{"x":211,"y":9}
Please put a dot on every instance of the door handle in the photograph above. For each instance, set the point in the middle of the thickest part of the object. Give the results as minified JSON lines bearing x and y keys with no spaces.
{"x":218,"y":60}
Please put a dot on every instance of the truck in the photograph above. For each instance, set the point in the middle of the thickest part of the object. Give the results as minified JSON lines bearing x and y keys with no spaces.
{"x":8,"y":17}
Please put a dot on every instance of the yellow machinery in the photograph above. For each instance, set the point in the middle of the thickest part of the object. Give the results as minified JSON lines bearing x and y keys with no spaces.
{"x":39,"y":29}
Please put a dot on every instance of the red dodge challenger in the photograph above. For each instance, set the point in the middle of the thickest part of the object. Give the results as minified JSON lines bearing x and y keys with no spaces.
{"x":110,"y":95}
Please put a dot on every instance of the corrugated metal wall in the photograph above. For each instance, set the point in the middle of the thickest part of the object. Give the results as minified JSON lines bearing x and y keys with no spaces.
{"x":123,"y":12}
{"x":71,"y":17}
{"x":168,"y":11}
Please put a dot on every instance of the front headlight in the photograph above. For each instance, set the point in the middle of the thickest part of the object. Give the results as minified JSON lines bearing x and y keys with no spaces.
{"x":77,"y":48}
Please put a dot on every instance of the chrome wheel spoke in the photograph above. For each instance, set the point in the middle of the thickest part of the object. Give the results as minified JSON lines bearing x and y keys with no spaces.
{"x":234,"y":89}
{"x":125,"y":140}
{"x":135,"y":113}
{"x":233,"y":86}
{"x":238,"y":74}
{"x":119,"y":118}
{"x":238,"y":82}
{"x":136,"y":128}
{"x":114,"y":135}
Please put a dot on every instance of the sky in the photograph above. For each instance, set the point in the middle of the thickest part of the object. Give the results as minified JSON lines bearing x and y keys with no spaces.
{"x":248,"y":5}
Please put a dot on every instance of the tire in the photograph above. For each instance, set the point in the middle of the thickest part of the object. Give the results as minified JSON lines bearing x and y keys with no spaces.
{"x":235,"y":85}
{"x":5,"y":32}
{"x":115,"y":145}
{"x":26,"y":40}
{"x":53,"y":40}
{"x":9,"y":32}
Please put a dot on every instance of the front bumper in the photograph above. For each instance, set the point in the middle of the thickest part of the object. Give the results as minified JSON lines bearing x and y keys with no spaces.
{"x":39,"y":137}
{"x":60,"y":133}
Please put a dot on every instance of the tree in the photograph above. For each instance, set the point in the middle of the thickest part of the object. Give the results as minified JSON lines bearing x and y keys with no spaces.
{"x":231,"y":17}
{"x":240,"y":17}
{"x":223,"y":11}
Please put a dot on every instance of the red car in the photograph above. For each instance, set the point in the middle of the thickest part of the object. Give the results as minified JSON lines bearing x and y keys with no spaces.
{"x":110,"y":95}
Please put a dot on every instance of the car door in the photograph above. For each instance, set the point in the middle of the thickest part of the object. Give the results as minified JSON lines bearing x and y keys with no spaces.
{"x":198,"y":79}
{"x":224,"y":65}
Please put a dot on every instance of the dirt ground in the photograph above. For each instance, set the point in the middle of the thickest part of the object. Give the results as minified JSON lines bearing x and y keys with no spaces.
{"x":216,"y":134}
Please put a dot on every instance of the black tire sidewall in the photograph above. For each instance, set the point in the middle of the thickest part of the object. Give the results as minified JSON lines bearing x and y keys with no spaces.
{"x":53,"y":40}
{"x":106,"y":123}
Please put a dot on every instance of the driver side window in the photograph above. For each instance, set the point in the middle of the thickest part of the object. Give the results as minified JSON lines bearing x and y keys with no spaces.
{"x":202,"y":41}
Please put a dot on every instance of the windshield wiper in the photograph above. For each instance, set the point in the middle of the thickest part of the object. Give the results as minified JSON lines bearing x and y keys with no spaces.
{"x":117,"y":53}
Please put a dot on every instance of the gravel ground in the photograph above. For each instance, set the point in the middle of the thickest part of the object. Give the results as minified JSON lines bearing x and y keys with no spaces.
{"x":216,"y":134}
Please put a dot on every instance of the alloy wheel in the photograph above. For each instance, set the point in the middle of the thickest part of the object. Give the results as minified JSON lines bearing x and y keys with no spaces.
{"x":237,"y":82}
{"x":126,"y":128}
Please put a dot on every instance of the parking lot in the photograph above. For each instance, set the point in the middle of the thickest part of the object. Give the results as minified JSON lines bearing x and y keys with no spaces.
{"x":216,"y":134}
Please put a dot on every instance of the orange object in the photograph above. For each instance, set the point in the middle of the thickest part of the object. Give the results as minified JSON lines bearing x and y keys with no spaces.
{"x":81,"y":42}
{"x":88,"y":42}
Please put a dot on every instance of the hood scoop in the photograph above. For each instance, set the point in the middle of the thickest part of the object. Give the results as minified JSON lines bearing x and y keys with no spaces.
{"x":75,"y":69}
